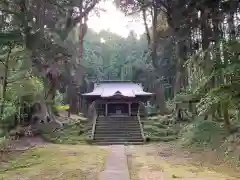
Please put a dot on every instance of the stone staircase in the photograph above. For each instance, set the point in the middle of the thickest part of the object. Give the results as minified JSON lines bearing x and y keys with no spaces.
{"x":117,"y":130}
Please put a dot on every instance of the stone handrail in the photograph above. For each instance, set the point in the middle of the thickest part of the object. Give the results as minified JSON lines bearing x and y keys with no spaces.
{"x":141,"y":127}
{"x":93,"y":125}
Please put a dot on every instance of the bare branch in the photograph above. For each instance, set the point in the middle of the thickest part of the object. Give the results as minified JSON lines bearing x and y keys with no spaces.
{"x":1,"y":61}
{"x":78,"y":19}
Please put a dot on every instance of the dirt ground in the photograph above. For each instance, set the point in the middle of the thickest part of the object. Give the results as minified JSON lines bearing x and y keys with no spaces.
{"x":164,"y":162}
{"x":45,"y":161}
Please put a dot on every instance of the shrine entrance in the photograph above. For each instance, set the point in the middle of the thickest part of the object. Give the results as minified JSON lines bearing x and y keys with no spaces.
{"x":112,"y":108}
{"x":118,"y":109}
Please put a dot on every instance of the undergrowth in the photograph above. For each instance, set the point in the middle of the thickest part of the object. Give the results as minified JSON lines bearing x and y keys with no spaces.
{"x":73,"y":132}
{"x":211,"y":137}
{"x":197,"y":135}
{"x":202,"y":134}
{"x":161,"y":128}
{"x":3,"y":143}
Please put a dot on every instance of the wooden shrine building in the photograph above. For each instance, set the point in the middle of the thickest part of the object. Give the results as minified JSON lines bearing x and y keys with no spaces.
{"x":116,"y":108}
{"x":117,"y":98}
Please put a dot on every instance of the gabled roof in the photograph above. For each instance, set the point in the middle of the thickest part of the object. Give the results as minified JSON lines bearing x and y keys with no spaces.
{"x":117,"y":88}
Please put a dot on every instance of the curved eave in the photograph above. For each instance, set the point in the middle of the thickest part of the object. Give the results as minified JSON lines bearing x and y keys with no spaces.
{"x":137,"y":94}
{"x":89,"y":95}
{"x":145,"y":94}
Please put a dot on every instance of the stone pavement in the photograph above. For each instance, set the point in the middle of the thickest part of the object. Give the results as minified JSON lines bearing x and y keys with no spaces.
{"x":116,"y":166}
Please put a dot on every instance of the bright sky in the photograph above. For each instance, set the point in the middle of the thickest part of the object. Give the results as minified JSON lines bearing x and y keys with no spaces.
{"x":115,"y":21}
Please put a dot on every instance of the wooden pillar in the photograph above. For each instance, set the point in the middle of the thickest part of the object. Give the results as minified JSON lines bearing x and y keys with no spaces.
{"x":106,"y":109}
{"x":129,"y":109}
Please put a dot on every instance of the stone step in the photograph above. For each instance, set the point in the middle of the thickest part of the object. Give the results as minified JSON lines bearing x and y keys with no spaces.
{"x":117,"y":117}
{"x":116,"y":130}
{"x":117,"y":122}
{"x":121,"y":131}
{"x":117,"y":126}
{"x":116,"y":143}
{"x":111,"y":128}
{"x":118,"y":133}
{"x":114,"y":120}
{"x":118,"y":138}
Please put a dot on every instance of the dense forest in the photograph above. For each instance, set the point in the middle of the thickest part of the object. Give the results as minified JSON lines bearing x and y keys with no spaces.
{"x":114,"y":59}
{"x":189,"y":57}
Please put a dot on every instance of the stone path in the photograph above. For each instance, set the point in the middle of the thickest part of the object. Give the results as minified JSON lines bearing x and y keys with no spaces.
{"x":116,"y":166}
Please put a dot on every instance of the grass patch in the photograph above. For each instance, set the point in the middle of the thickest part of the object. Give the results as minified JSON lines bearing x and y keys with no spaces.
{"x":133,"y":167}
{"x":161,"y":162}
{"x":58,"y":162}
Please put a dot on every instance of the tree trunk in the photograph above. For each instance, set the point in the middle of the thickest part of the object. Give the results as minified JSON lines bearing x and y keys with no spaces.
{"x":181,"y":74}
{"x":5,"y":83}
{"x":216,"y":81}
{"x":154,"y":38}
{"x":226,"y":116}
{"x":160,"y":98}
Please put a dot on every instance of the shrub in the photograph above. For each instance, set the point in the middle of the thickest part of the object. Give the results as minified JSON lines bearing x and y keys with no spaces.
{"x":200,"y":134}
{"x":62,"y":107}
{"x":71,"y":134}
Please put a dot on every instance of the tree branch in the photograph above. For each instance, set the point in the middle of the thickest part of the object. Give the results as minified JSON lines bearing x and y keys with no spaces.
{"x":146,"y":26}
{"x":77,"y":20}
{"x":2,"y":61}
{"x":85,"y":12}
{"x":159,"y":5}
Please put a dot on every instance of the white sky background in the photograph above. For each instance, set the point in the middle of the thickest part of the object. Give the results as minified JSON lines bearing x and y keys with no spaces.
{"x":115,"y":21}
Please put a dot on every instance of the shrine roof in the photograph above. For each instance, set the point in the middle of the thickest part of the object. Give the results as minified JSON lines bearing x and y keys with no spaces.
{"x":122,"y":88}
